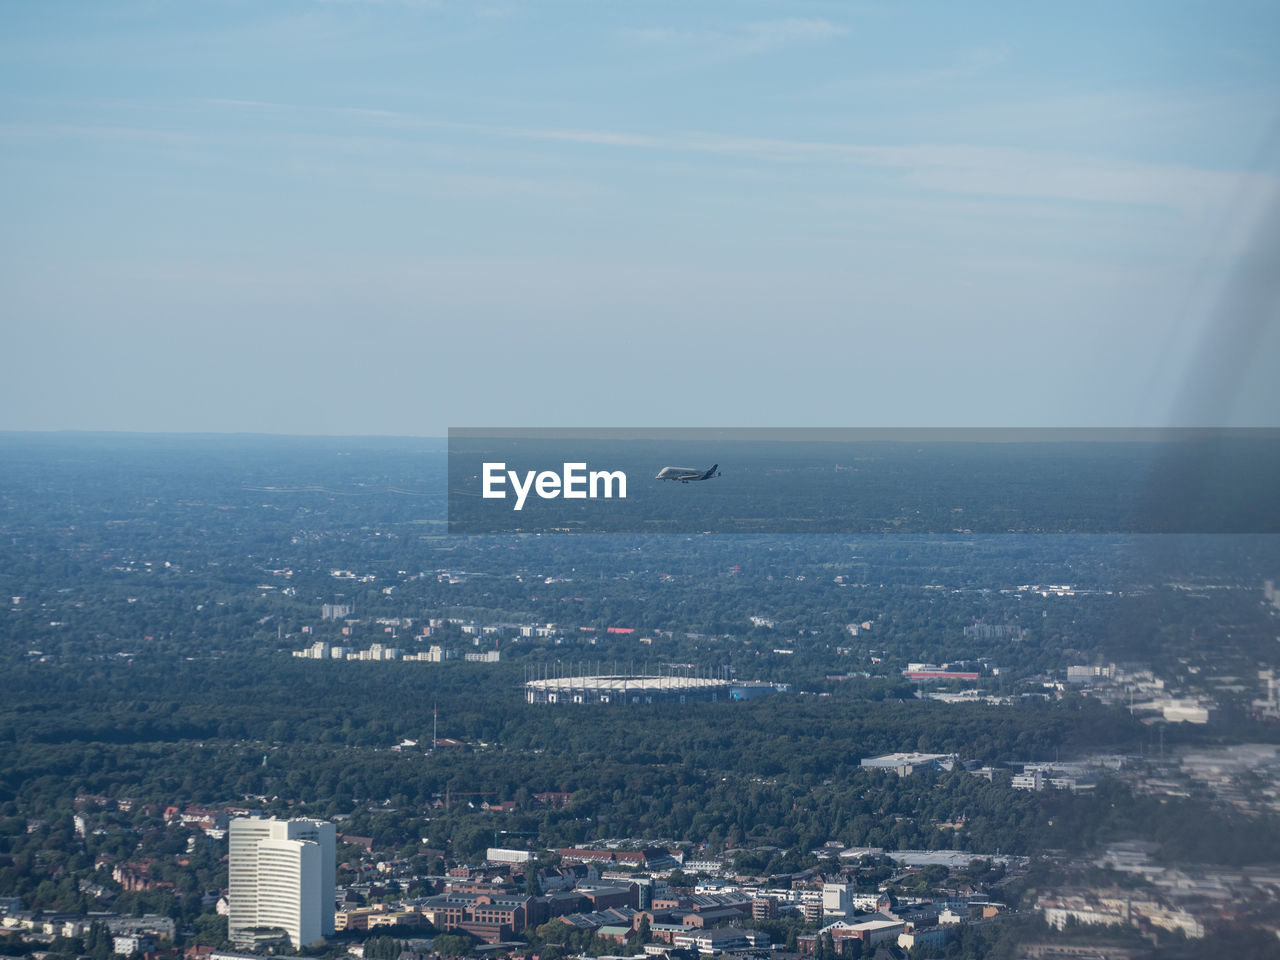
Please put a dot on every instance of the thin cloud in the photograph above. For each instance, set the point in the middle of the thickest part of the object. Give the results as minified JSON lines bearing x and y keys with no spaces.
{"x":967,"y":170}
{"x":965,"y":65}
{"x":232,"y":102}
{"x":970,"y":63}
{"x":743,"y":40}
{"x":92,"y":131}
{"x":963,"y":169}
{"x":425,"y":4}
{"x":774,"y":33}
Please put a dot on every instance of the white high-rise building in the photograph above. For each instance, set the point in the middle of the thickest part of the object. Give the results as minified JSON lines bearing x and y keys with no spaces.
{"x":281,"y":875}
{"x":837,"y":899}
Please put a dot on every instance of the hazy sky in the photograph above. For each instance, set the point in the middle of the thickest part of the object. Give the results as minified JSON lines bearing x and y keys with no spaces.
{"x":395,"y":217}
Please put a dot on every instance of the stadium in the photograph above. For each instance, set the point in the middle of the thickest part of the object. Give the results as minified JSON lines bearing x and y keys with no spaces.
{"x":631,"y":688}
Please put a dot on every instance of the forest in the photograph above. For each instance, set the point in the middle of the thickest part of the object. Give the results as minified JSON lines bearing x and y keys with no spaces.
{"x":156,"y":589}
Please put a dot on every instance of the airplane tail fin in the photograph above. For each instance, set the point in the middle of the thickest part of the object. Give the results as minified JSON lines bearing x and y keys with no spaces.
{"x":711,"y":473}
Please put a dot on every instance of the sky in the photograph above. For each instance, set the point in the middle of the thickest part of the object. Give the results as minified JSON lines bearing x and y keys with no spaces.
{"x":390,"y":218}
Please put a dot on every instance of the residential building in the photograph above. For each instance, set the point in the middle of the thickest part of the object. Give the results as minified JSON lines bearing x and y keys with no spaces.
{"x":281,"y":875}
{"x":720,"y":940}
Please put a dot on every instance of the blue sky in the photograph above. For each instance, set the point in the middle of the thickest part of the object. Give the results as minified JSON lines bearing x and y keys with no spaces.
{"x":389,"y":217}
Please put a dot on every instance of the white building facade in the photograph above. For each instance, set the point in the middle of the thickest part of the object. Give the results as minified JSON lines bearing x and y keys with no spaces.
{"x":281,"y":876}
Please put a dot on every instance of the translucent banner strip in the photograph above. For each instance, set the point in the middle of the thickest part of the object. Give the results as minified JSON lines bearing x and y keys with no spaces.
{"x":858,"y":481}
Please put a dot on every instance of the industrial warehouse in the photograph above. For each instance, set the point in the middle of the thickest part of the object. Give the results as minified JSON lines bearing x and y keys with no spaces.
{"x":633,"y":688}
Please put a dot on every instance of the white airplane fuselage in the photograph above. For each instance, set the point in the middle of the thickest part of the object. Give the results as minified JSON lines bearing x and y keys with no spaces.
{"x":687,"y":474}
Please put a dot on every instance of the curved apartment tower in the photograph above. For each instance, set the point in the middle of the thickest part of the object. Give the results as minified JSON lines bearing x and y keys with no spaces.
{"x":281,"y":878}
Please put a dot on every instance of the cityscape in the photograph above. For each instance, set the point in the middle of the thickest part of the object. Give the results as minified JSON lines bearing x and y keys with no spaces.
{"x":249,"y":724}
{"x":734,"y":480}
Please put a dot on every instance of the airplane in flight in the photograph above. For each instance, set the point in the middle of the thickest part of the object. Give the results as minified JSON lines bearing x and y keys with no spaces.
{"x":687,"y":474}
